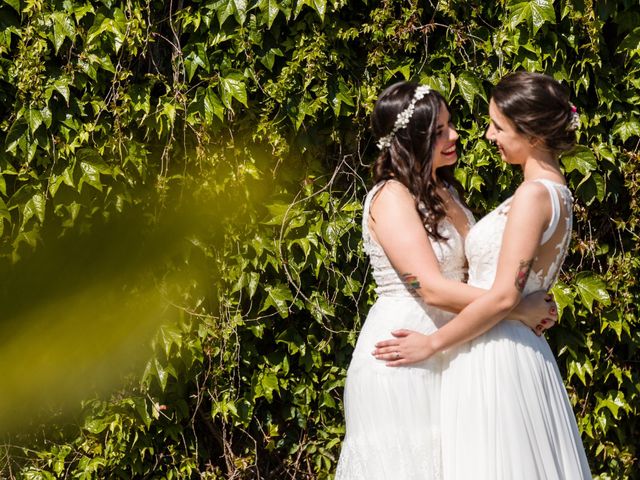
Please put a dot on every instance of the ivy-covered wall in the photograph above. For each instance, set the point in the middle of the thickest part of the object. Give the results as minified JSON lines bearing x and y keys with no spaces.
{"x":237,"y":131}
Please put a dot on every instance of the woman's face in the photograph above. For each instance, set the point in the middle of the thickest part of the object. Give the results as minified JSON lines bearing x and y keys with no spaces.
{"x":444,"y":150}
{"x":514,"y":146}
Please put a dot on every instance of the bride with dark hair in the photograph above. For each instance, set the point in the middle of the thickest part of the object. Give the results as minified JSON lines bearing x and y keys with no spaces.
{"x":414,"y":225}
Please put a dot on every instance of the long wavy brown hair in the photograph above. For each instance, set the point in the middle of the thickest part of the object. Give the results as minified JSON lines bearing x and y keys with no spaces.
{"x":409,"y":159}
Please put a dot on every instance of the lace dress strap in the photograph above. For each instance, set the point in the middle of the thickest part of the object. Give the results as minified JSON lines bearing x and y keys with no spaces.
{"x":366,"y":234}
{"x":558,"y":192}
{"x":555,"y":209}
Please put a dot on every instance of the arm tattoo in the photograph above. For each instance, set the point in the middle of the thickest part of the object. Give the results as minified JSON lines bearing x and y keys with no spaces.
{"x":411,"y":281}
{"x":523,"y":274}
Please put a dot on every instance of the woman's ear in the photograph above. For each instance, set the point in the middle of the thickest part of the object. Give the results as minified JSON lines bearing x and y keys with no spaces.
{"x":534,"y":141}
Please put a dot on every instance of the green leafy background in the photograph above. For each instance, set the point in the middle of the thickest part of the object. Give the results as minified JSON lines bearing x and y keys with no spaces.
{"x":214,"y":154}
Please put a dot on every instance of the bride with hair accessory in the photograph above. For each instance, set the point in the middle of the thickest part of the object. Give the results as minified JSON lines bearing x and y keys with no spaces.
{"x":505,"y":413}
{"x":414,"y":225}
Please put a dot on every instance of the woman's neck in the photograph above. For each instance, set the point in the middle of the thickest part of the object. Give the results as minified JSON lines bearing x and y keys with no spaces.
{"x":542,"y":165}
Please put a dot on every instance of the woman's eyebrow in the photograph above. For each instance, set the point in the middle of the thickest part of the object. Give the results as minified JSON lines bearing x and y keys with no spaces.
{"x":440,"y":126}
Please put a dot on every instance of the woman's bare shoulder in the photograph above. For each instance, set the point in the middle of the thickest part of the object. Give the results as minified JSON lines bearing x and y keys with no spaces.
{"x":392,"y":193}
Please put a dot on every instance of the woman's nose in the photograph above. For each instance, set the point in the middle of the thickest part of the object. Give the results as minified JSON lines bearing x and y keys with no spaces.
{"x":490,"y":134}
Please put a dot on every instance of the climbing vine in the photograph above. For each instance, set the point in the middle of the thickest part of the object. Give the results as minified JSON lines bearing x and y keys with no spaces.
{"x":232,"y":136}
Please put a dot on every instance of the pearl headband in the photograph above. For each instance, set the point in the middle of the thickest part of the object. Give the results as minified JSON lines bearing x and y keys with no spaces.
{"x":403,"y":117}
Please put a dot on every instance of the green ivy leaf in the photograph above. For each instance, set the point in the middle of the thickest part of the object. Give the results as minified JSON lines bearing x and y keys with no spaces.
{"x":169,"y":336}
{"x":35,"y":206}
{"x":101,"y":24}
{"x":564,"y":297}
{"x":269,"y":382}
{"x":224,"y":9}
{"x":581,"y":369}
{"x":439,"y":84}
{"x":340,"y":96}
{"x":16,"y":135}
{"x":534,"y":12}
{"x":63,"y":27}
{"x":278,"y":210}
{"x":631,"y":44}
{"x":96,"y":425}
{"x":15,"y":4}
{"x":240,"y":10}
{"x":271,"y":8}
{"x":278,"y":296}
{"x":253,"y":283}
{"x":155,"y":370}
{"x":470,"y":86}
{"x":196,"y":59}
{"x":581,"y":159}
{"x":4,"y":215}
{"x":320,"y":6}
{"x":80,"y":11}
{"x":627,"y":128}
{"x":613,"y":402}
{"x":591,"y":288}
{"x":34,"y":119}
{"x":231,"y":87}
{"x":92,"y":166}
{"x":591,"y":188}
{"x":212,"y":106}
{"x":140,"y":407}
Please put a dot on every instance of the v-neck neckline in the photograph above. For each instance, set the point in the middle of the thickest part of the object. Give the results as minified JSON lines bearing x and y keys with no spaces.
{"x":449,"y":220}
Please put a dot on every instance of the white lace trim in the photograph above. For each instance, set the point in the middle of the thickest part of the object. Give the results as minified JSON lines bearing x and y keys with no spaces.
{"x":405,"y":459}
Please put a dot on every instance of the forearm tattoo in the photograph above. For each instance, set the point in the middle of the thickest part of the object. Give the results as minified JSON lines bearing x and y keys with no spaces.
{"x":411,"y":281}
{"x":523,"y":274}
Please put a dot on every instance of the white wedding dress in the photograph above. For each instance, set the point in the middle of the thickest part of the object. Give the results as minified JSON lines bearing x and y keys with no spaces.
{"x":505,"y":411}
{"x":393,"y":414}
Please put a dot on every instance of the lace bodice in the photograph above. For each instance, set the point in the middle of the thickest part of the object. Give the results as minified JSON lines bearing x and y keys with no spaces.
{"x":449,"y":252}
{"x":484,"y":241}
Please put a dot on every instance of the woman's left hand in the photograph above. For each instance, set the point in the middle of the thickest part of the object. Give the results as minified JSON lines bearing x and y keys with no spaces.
{"x":406,"y":348}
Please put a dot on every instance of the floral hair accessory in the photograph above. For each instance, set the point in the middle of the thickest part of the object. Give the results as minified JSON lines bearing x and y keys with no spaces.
{"x":574,"y":123}
{"x":404,"y":116}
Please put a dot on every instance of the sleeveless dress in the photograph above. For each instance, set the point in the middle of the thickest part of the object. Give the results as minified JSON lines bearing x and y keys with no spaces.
{"x":392,"y":415}
{"x":505,"y":411}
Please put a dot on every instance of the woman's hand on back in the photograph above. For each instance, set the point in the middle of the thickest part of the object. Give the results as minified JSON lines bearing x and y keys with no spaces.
{"x":538,"y":311}
{"x":406,"y":348}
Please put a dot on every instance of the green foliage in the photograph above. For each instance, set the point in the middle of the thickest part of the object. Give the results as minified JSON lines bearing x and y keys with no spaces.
{"x":259,"y":109}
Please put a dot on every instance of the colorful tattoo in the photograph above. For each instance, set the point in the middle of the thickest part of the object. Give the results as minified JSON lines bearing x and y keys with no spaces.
{"x":411,"y":280}
{"x":523,"y":274}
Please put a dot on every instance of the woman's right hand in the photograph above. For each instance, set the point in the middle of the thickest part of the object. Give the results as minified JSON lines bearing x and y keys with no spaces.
{"x":538,"y":311}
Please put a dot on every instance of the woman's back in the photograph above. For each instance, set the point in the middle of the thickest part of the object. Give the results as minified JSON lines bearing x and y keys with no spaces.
{"x":484,"y":242}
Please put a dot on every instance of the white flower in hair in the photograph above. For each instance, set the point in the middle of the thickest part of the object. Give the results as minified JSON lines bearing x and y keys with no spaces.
{"x":404,"y":116}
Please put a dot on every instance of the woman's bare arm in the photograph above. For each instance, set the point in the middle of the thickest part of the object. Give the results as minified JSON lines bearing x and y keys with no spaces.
{"x":528,"y":216}
{"x":397,"y":227}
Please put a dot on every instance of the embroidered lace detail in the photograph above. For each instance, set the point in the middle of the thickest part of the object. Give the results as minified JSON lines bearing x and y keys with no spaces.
{"x":425,"y":460}
{"x":484,"y":242}
{"x":450,"y":253}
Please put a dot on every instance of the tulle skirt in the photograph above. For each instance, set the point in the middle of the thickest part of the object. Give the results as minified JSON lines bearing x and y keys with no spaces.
{"x":505,"y":411}
{"x":392,"y":414}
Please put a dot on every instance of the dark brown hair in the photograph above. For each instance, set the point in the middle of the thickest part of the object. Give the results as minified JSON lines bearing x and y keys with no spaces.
{"x":409,"y":157}
{"x":539,"y":107}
